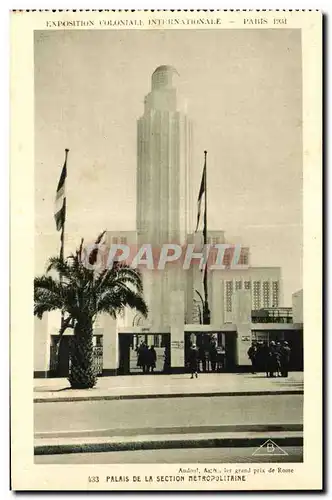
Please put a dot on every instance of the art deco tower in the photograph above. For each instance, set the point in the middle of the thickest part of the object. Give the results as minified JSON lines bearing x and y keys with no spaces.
{"x":163,"y":182}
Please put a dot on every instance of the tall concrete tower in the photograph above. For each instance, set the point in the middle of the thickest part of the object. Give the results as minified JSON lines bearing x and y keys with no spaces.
{"x":164,"y":211}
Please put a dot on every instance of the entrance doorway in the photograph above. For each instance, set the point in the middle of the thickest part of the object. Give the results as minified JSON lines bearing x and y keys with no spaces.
{"x":294,"y":339}
{"x":230,"y":347}
{"x":147,"y":353}
{"x":217,"y":350}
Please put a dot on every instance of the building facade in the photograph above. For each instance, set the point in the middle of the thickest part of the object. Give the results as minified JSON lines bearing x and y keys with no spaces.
{"x":165,"y":214}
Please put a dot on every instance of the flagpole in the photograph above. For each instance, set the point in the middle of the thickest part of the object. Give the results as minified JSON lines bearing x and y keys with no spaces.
{"x":62,"y":236}
{"x":206,"y":311}
{"x":62,"y":241}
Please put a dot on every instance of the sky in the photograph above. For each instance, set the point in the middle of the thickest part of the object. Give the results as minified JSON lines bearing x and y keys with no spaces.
{"x":243,"y":90}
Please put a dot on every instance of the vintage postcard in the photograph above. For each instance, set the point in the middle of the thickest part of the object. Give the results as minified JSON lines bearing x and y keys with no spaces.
{"x":166,"y":209}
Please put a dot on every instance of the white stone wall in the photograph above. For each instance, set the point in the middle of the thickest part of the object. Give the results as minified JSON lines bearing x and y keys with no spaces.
{"x":297,"y":305}
{"x":219,"y":279}
{"x":241,"y":317}
{"x":41,"y":345}
{"x":177,"y":329}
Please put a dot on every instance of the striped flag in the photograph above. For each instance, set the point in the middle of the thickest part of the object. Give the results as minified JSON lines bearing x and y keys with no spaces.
{"x":60,"y":198}
{"x":201,"y":195}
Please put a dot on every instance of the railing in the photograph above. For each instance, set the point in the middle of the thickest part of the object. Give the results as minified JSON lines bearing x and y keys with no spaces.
{"x":282,"y":315}
{"x":97,"y":359}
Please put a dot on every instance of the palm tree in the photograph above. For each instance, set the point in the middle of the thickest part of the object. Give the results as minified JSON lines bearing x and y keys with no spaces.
{"x":81,"y":293}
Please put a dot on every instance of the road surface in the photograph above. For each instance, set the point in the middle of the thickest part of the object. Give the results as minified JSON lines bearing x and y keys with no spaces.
{"x":203,"y":455}
{"x":177,"y":412}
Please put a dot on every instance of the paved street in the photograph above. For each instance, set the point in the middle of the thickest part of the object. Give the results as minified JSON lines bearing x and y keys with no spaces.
{"x":178,"y":412}
{"x":202,"y":455}
{"x":135,"y":386}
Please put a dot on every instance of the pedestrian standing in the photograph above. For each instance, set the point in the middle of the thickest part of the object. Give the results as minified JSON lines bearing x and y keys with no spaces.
{"x":278,"y":358}
{"x":263,"y":357}
{"x":213,"y":355}
{"x":152,"y":358}
{"x":167,"y":360}
{"x":272,"y":359}
{"x":252,"y":355}
{"x":193,"y":361}
{"x":221,"y":355}
{"x":284,"y":359}
{"x":143,"y":357}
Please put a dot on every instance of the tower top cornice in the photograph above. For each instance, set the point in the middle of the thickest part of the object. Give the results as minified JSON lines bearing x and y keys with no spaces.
{"x":162,"y":77}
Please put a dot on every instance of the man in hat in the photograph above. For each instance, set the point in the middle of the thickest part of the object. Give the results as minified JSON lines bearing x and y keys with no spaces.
{"x":193,"y":361}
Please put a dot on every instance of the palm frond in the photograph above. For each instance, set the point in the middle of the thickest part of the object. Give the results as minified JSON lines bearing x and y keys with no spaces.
{"x":114,"y":301}
{"x":47,"y":295}
{"x":82,"y":293}
{"x":60,"y":266}
{"x":100,"y":237}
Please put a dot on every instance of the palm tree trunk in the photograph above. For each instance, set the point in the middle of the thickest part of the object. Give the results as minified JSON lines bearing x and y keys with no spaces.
{"x":82,"y":373}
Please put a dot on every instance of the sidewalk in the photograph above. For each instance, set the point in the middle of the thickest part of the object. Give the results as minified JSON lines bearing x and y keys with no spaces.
{"x":168,"y":386}
{"x":217,"y":439}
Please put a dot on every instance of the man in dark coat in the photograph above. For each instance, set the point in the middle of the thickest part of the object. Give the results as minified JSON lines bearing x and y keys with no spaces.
{"x":213,"y":355}
{"x":252,"y":355}
{"x":142,"y":356}
{"x":221,"y":357}
{"x":272,"y":367}
{"x":284,"y":359}
{"x":193,"y":361}
{"x":152,"y":358}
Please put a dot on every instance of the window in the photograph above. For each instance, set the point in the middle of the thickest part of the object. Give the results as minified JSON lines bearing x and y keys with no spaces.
{"x":238,"y":285}
{"x":123,"y":240}
{"x":256,"y":295}
{"x":244,"y":257}
{"x":266,"y":294}
{"x":228,"y":295}
{"x":247,"y":285}
{"x":275,"y":294}
{"x":214,"y":240}
{"x":228,"y":256}
{"x":114,"y":240}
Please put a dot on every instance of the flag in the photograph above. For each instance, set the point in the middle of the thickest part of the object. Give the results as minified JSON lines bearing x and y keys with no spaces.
{"x":94,"y":254}
{"x":60,"y":198}
{"x":201,"y":195}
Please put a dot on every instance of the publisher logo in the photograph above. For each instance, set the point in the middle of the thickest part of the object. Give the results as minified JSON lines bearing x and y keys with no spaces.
{"x":269,"y":448}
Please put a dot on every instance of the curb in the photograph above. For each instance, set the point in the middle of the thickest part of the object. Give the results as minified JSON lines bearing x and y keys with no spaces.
{"x":70,"y":399}
{"x":155,"y":431}
{"x":156,"y":444}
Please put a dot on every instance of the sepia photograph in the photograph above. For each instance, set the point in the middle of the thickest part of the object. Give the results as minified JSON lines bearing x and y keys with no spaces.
{"x":169,"y":271}
{"x":177,"y":358}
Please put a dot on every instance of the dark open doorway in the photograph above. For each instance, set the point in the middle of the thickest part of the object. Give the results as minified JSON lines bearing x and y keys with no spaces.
{"x":217,"y":350}
{"x":147,"y":353}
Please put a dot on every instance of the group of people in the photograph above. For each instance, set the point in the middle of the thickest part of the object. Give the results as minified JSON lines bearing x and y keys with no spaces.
{"x":200,"y":358}
{"x":211,"y":357}
{"x":146,"y":357}
{"x":272,"y":358}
